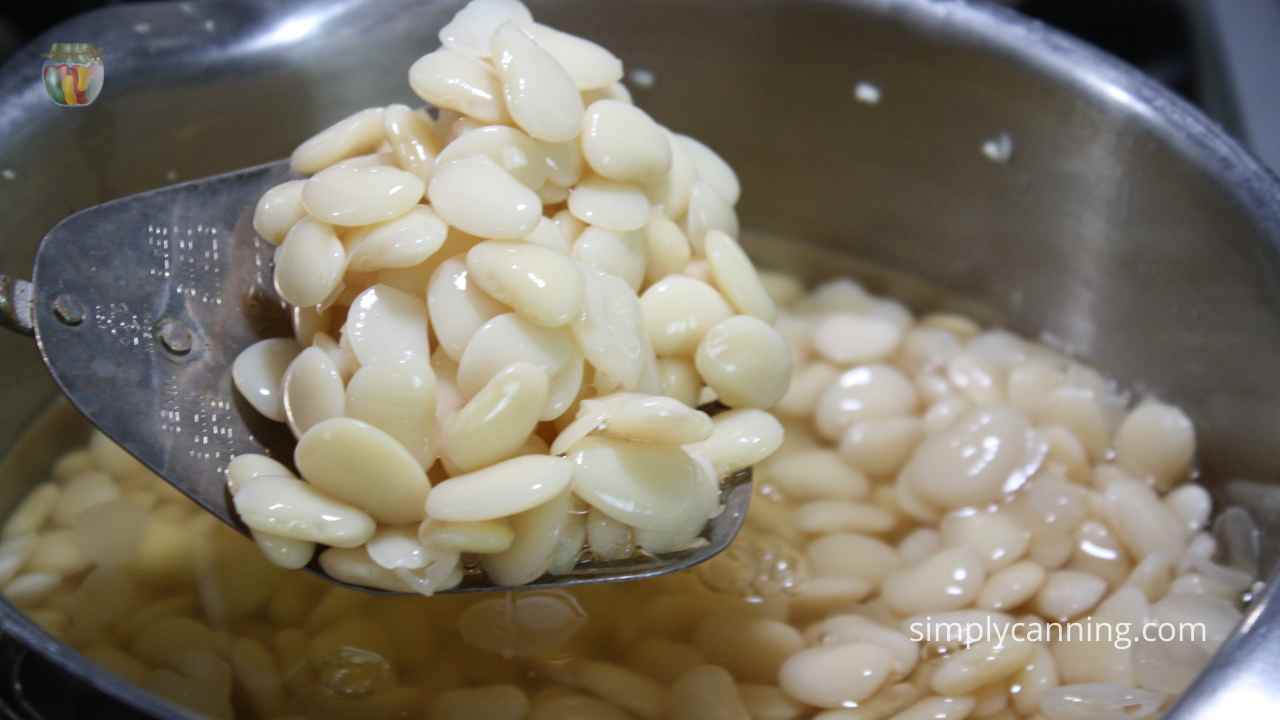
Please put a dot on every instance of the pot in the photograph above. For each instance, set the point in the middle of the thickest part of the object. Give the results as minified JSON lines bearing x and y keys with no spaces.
{"x":1006,"y":170}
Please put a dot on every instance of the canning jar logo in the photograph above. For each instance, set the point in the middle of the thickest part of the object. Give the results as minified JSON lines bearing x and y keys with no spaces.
{"x":73,"y":74}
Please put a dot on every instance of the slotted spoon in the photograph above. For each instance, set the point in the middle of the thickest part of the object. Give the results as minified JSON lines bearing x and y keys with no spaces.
{"x":140,"y":305}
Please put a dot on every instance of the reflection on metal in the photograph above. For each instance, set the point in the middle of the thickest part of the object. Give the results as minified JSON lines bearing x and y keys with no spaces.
{"x":159,"y":274}
{"x":174,"y":336}
{"x":68,"y":310}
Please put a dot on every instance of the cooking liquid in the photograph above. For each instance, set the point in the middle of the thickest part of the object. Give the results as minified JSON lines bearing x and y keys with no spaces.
{"x":143,"y":582}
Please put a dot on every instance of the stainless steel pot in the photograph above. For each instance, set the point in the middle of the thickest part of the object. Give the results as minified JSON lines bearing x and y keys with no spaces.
{"x":1124,"y":224}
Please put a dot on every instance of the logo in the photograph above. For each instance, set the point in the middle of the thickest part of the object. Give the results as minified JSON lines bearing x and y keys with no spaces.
{"x":73,"y":74}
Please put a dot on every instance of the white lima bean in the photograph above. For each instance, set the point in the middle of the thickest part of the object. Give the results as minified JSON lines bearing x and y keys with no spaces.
{"x":842,"y":629}
{"x":981,"y":664}
{"x":821,"y":516}
{"x":919,"y":544}
{"x":452,"y":80}
{"x":988,"y":453}
{"x":399,"y":401}
{"x":611,"y":330}
{"x":1097,"y":700}
{"x":526,"y":159}
{"x":550,"y":194}
{"x":1097,"y":551}
{"x":737,"y":278}
{"x":834,"y":676}
{"x":1191,"y":503}
{"x":471,"y":30}
{"x":354,"y":135}
{"x":312,"y":390}
{"x":678,"y":312}
{"x":938,"y":708}
{"x":608,"y":539}
{"x":672,"y":192}
{"x":651,"y":487}
{"x":678,"y":379}
{"x":949,"y":580}
{"x":495,"y":423}
{"x":537,"y":533}
{"x":271,"y":500}
{"x":339,"y":353}
{"x":1011,"y":586}
{"x":357,"y":463}
{"x":610,"y":205}
{"x":996,"y":536}
{"x":309,"y":263}
{"x":508,"y":339}
{"x":753,"y":649}
{"x":353,"y":196}
{"x":485,"y":537}
{"x":14,"y":554}
{"x":308,"y":322}
{"x":500,"y":490}
{"x":570,"y":226}
{"x":457,"y":307}
{"x":81,"y":493}
{"x":1156,"y":441}
{"x":548,"y":235}
{"x":397,"y":547}
{"x":706,"y":692}
{"x":815,"y":474}
{"x":279,"y":209}
{"x":1143,"y":523}
{"x":543,"y":286}
{"x":739,"y":439}
{"x":708,"y":211}
{"x":641,"y":418}
{"x":541,"y":97}
{"x":388,"y":327}
{"x":863,"y":393}
{"x":712,"y":169}
{"x":667,"y":248}
{"x":745,"y":361}
{"x":846,"y":339}
{"x":808,"y":382}
{"x":621,"y":254}
{"x":880,"y":446}
{"x":399,"y":243}
{"x":852,"y":555}
{"x":354,"y":566}
{"x":591,"y":66}
{"x":621,"y":142}
{"x":616,"y":91}
{"x":412,"y":140}
{"x":478,"y":196}
{"x":258,"y":373}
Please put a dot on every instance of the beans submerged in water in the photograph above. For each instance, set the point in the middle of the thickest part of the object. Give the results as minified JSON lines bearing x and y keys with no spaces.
{"x":820,"y":604}
{"x":507,"y":314}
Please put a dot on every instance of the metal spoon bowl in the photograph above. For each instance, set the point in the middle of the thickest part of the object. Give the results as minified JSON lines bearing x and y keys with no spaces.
{"x":140,"y":305}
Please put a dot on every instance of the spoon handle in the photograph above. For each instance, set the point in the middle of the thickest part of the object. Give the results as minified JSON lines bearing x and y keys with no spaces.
{"x":16,"y":311}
